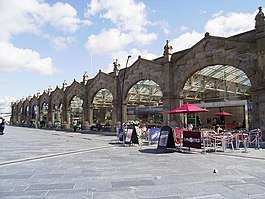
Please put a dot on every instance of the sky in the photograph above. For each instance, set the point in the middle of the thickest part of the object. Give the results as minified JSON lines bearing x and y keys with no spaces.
{"x":46,"y":42}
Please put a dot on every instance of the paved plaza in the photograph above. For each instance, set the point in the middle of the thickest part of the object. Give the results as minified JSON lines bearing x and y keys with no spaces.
{"x":52,"y":164}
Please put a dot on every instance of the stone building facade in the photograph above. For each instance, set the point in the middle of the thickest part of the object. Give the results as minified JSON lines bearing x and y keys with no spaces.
{"x":245,"y":51}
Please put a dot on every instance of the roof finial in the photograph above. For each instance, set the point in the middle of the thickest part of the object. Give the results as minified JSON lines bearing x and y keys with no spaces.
{"x":260,"y":21}
{"x":167,"y":52}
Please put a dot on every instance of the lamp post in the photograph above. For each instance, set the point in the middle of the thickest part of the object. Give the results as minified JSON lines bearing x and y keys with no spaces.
{"x":122,"y":87}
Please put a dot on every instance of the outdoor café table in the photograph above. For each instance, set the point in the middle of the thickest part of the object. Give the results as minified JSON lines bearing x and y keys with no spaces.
{"x":211,"y":139}
{"x":221,"y":140}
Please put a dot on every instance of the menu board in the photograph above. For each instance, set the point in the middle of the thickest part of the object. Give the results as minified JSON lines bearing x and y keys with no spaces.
{"x":163,"y":138}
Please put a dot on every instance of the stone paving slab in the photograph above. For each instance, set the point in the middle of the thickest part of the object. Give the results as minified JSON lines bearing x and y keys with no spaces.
{"x":93,"y":166}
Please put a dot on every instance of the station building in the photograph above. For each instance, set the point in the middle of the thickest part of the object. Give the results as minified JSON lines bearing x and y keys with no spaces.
{"x":217,"y":73}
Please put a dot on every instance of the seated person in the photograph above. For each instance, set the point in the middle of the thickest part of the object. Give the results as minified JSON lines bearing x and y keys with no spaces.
{"x":218,"y":129}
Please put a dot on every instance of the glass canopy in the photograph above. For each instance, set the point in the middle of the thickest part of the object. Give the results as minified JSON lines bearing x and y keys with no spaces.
{"x":215,"y":83}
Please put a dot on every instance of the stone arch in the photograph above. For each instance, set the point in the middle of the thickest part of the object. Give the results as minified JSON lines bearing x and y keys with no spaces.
{"x":44,"y":109}
{"x":44,"y":98}
{"x":102,"y":112}
{"x":101,"y":81}
{"x":57,"y":97}
{"x":214,"y":56}
{"x":132,"y":83}
{"x":14,"y":113}
{"x":33,"y":101}
{"x":26,"y":112}
{"x":34,"y":109}
{"x":144,"y":103}
{"x":76,"y":109}
{"x":139,"y":71}
{"x":75,"y":89}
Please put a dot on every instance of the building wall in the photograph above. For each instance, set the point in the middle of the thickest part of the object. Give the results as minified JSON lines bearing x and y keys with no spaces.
{"x":244,"y":51}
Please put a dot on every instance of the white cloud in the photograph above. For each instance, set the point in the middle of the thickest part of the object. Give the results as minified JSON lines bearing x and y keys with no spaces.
{"x":183,"y":28}
{"x":33,"y":16}
{"x":61,"y":43}
{"x":217,"y":14}
{"x":62,"y":16}
{"x":5,"y":105}
{"x":162,"y":24}
{"x":221,"y":24}
{"x":129,"y":20}
{"x":122,"y":56}
{"x":13,"y":59}
{"x":186,"y":40}
{"x":126,"y":14}
{"x":230,"y":24}
{"x":108,"y":41}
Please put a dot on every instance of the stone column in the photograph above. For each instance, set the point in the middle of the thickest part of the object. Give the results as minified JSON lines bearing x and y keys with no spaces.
{"x":173,"y":120}
{"x":90,"y":115}
{"x":258,"y":111}
{"x":124,"y":112}
{"x":114,"y":124}
{"x":85,"y":122}
{"x":53,"y":116}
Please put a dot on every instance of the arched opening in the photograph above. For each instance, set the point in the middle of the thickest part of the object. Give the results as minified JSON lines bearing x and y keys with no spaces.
{"x":144,"y":103}
{"x":44,"y":114}
{"x":219,"y":88}
{"x":58,"y":115}
{"x":34,"y":115}
{"x":76,"y":110}
{"x":102,"y":108}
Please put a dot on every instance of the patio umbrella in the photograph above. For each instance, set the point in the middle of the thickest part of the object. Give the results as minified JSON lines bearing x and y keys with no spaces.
{"x":187,"y":108}
{"x":223,"y":113}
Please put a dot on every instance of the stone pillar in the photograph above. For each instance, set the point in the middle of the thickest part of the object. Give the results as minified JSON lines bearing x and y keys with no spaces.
{"x":124,"y":112}
{"x":114,"y":124}
{"x":85,"y":122}
{"x":53,"y":116}
{"x":90,"y":115}
{"x":173,"y":120}
{"x":259,"y":95}
{"x":258,"y":111}
{"x":65,"y":120}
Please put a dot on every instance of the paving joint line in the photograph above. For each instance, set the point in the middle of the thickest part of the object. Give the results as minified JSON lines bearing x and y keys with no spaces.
{"x":53,"y":155}
{"x":240,"y":156}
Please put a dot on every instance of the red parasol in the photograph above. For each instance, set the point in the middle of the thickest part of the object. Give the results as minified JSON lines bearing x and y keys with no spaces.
{"x":188,"y":108}
{"x":223,"y":113}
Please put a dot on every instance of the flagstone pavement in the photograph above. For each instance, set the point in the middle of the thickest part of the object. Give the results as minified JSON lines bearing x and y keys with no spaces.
{"x":53,"y":164}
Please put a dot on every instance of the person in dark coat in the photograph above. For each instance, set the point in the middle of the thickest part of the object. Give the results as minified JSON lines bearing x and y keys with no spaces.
{"x":2,"y":126}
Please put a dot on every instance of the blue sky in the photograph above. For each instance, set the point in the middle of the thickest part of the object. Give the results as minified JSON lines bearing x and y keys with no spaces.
{"x":44,"y":42}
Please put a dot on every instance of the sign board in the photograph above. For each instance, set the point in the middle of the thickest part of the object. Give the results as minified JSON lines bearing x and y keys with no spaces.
{"x":120,"y":134}
{"x":163,"y":138}
{"x":154,"y":134}
{"x":128,"y":135}
{"x":166,"y":139}
{"x":192,"y":139}
{"x":131,"y":135}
